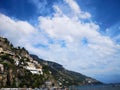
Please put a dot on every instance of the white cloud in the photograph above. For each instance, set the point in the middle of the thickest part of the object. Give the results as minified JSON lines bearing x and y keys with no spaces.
{"x":74,"y":6}
{"x":75,"y":44}
{"x":76,"y":9}
{"x":72,"y":31}
{"x":19,"y":32}
{"x":98,"y":52}
{"x":15,"y":29}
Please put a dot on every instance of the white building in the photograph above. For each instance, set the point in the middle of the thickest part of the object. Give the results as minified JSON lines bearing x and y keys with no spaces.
{"x":16,"y":62}
{"x":1,"y":68}
{"x":33,"y":69}
{"x":1,"y":49}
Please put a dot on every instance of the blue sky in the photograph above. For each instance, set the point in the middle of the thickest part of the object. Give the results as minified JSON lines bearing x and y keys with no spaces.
{"x":82,"y":35}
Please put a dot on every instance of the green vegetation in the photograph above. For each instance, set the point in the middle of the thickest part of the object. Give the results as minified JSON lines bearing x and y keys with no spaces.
{"x":18,"y":76}
{"x":7,"y":58}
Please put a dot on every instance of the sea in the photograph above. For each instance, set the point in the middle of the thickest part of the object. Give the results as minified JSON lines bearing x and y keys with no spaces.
{"x":96,"y":87}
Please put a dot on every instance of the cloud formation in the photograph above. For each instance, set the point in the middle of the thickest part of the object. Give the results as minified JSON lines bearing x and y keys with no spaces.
{"x":15,"y":29}
{"x":76,"y":9}
{"x":67,"y":39}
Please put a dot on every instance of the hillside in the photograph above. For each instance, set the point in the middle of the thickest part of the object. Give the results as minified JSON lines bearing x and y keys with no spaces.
{"x":20,"y":69}
{"x":66,"y":76}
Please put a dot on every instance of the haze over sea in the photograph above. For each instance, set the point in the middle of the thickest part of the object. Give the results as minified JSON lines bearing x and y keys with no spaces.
{"x":96,"y":87}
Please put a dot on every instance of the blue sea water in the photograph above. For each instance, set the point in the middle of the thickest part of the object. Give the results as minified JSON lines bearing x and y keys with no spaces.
{"x":96,"y":87}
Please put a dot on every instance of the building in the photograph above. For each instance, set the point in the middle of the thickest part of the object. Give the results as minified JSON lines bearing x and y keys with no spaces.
{"x":1,"y":68}
{"x":31,"y":67}
{"x":1,"y":49}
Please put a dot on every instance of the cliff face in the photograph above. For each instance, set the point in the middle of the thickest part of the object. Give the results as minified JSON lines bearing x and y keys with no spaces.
{"x":19,"y":69}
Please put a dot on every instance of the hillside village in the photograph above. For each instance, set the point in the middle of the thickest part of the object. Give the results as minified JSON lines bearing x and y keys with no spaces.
{"x":32,"y":65}
{"x":11,"y":57}
{"x":20,"y":69}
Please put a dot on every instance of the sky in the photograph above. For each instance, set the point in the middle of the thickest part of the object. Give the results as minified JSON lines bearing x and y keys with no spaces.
{"x":82,"y":35}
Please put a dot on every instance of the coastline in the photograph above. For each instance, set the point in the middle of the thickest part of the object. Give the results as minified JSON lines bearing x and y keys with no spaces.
{"x":89,"y":87}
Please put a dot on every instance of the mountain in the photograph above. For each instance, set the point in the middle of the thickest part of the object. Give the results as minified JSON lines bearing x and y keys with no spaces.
{"x":20,"y":69}
{"x":66,"y":76}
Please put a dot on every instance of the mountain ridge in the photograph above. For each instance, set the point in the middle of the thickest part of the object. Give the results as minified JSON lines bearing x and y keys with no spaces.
{"x":59,"y":67}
